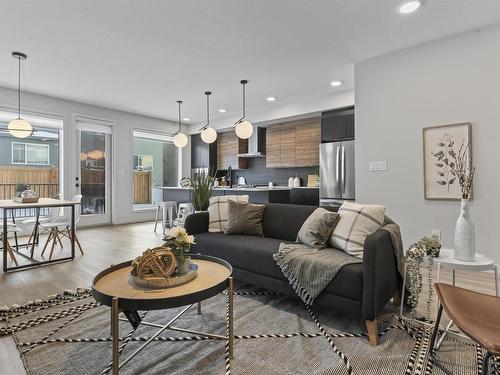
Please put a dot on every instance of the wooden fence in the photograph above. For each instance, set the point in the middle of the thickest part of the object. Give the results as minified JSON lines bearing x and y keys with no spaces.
{"x":142,"y":187}
{"x":44,"y":181}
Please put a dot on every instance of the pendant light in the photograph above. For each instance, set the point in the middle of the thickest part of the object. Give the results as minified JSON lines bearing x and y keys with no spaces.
{"x":208,"y":134}
{"x":180,"y":139}
{"x":244,"y":128}
{"x":19,"y":127}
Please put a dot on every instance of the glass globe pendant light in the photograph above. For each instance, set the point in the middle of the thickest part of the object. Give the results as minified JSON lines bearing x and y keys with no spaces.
{"x":244,"y":128}
{"x":180,"y":139}
{"x":208,"y":134}
{"x":19,"y":127}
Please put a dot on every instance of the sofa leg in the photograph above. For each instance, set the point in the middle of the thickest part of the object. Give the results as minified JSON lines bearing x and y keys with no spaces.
{"x":371,"y":327}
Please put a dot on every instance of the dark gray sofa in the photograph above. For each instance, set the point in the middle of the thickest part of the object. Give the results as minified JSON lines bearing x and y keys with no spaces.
{"x":362,"y":289}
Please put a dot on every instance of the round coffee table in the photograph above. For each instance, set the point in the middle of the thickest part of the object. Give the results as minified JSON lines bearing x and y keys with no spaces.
{"x":113,"y":288}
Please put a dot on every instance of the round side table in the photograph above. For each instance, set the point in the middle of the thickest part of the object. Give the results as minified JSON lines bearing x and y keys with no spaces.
{"x":447,"y":259}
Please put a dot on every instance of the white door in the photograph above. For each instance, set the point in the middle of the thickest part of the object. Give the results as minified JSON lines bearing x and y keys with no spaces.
{"x":93,"y":180}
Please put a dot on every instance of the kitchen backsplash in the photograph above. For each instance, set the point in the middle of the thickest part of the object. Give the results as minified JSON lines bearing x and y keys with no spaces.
{"x":257,"y":173}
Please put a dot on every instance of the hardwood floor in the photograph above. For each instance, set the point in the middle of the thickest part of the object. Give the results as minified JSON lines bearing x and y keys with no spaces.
{"x":108,"y":245}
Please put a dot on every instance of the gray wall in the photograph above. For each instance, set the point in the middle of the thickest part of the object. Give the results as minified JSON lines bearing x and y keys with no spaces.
{"x":448,"y":81}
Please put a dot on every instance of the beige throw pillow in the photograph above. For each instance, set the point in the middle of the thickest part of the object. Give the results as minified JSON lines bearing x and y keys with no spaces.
{"x":245,"y":218}
{"x":318,"y":228}
{"x":357,"y":221}
{"x":218,"y":211}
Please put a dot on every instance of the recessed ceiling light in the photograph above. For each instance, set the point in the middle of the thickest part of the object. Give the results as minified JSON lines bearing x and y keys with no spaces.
{"x":336,"y":83}
{"x":271,"y":99}
{"x":186,"y":119}
{"x":222,"y":110}
{"x":409,"y":7}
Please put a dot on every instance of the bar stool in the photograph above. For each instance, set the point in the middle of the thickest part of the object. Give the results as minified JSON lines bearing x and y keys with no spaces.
{"x":168,"y":208}
{"x":185,"y":209}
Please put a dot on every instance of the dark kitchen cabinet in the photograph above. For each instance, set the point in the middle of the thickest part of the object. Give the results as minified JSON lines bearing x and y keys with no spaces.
{"x":337,"y":125}
{"x":203,"y":155}
{"x":305,"y":196}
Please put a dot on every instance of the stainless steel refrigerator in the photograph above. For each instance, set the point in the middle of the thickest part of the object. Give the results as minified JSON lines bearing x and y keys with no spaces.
{"x":336,"y":162}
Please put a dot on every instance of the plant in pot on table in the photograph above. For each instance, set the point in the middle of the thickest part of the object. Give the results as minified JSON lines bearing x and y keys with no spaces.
{"x":179,"y":242}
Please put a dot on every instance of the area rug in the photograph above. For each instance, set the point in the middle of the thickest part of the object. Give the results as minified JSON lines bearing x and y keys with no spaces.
{"x":274,"y":335}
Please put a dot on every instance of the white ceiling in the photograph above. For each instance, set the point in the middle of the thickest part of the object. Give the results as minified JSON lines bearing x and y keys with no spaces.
{"x":141,"y":56}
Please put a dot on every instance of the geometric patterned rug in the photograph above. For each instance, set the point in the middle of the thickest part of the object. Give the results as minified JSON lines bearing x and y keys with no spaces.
{"x":274,"y":335}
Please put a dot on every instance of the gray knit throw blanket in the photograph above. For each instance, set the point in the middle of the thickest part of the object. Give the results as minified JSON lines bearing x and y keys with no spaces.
{"x":310,"y":270}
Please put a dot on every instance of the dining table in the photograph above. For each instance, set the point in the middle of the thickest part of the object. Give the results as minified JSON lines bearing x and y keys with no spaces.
{"x":9,"y":205}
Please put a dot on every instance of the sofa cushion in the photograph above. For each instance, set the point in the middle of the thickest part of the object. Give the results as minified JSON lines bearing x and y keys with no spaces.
{"x":255,"y":254}
{"x":357,"y":221}
{"x":218,"y":211}
{"x":245,"y":218}
{"x":317,"y":229}
{"x":240,"y":251}
{"x":283,"y":221}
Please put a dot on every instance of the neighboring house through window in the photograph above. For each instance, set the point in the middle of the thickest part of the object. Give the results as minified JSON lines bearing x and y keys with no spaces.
{"x":30,"y":153}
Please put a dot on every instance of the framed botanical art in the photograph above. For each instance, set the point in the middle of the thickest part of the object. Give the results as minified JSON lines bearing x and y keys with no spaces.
{"x":444,"y":147}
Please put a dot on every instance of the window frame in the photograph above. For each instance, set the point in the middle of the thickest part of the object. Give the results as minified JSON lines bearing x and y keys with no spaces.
{"x":25,"y":144}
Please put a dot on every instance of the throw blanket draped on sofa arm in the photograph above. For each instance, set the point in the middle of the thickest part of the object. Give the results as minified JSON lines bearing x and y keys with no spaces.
{"x":381,"y":278}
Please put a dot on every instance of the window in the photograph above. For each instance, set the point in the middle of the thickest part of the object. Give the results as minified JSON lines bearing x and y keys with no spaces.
{"x":153,"y":150}
{"x":30,"y":153}
{"x":143,"y":162}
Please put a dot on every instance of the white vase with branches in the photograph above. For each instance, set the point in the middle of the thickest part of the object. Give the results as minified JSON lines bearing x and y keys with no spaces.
{"x":458,"y":163}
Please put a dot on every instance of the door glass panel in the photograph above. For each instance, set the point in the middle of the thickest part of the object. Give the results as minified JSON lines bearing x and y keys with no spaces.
{"x":93,"y":172}
{"x":155,"y":164}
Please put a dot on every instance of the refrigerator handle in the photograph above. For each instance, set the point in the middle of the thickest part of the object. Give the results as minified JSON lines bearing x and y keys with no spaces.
{"x":337,"y":169}
{"x":343,"y":169}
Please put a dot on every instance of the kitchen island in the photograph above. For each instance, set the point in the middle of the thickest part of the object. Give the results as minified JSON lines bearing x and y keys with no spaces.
{"x":277,"y":194}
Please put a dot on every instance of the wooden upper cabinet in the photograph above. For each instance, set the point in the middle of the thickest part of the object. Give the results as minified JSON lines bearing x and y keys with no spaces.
{"x":228,"y":148}
{"x":273,"y":147}
{"x":293,"y":144}
{"x":314,"y":142}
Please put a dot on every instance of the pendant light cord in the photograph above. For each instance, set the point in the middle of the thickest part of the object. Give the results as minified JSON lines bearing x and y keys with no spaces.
{"x":180,"y":123}
{"x":243,"y":82}
{"x":19,"y":88}
{"x":207,"y":93}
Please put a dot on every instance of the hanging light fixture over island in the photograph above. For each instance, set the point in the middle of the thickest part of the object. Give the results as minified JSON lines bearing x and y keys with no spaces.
{"x":19,"y":127}
{"x":243,"y":128}
{"x":180,"y":139}
{"x":208,"y":134}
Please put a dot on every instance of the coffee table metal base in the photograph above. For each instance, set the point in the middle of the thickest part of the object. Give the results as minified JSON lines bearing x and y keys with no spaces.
{"x":115,"y":319}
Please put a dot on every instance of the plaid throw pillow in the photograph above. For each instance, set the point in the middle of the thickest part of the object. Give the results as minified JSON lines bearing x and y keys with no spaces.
{"x":218,"y":211}
{"x":357,"y":221}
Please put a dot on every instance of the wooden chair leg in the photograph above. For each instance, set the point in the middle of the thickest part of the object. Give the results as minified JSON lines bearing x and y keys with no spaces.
{"x":78,"y":243}
{"x":54,"y":240}
{"x":11,"y":253}
{"x":372,"y":328}
{"x":59,"y":238}
{"x":28,"y":245}
{"x":48,"y":240}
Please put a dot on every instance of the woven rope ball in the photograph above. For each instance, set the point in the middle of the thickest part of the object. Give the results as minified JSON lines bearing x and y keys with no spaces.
{"x":155,"y":262}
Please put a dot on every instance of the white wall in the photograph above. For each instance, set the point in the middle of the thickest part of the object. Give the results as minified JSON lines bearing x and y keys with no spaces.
{"x":123,"y":148}
{"x":452,"y":80}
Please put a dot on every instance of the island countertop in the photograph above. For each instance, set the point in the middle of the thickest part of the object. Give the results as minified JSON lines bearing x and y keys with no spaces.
{"x":225,"y":188}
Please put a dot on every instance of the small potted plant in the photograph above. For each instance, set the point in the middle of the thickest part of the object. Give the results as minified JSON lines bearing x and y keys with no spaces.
{"x":20,"y":187}
{"x":179,"y":242}
{"x":419,"y":254}
{"x":201,"y":190}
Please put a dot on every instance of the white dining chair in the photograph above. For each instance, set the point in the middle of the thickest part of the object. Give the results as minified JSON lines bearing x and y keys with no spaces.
{"x":52,"y":215}
{"x":60,"y":228}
